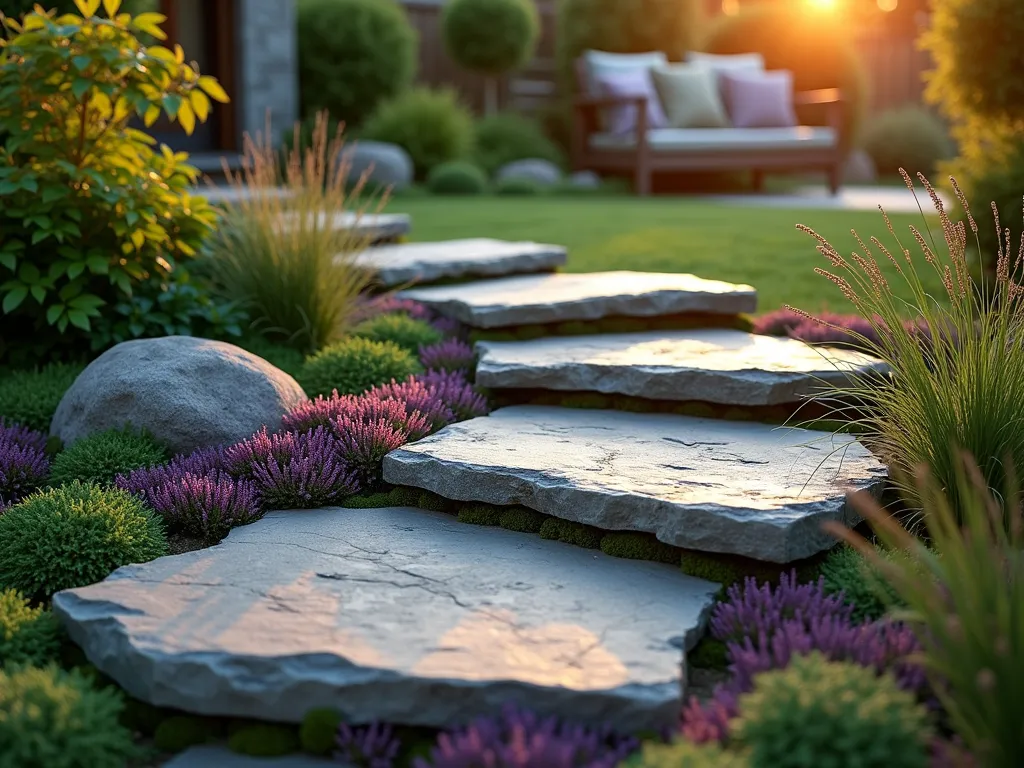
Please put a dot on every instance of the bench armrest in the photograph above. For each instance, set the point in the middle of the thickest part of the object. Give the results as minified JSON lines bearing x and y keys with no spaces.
{"x":834,"y":105}
{"x":585,"y":120}
{"x":820,"y":96}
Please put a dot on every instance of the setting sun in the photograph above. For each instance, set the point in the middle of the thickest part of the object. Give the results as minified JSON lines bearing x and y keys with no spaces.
{"x":824,"y":5}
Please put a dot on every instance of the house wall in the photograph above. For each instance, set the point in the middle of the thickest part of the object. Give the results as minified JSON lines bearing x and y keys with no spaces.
{"x":268,"y":66}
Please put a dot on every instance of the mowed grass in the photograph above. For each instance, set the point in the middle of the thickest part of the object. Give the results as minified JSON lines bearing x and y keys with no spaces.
{"x":757,"y":246}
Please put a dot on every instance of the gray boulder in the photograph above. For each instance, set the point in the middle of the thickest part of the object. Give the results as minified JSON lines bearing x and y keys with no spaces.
{"x":859,"y":168}
{"x":387,"y":165}
{"x":189,"y":393}
{"x":585,"y":180}
{"x":540,"y":171}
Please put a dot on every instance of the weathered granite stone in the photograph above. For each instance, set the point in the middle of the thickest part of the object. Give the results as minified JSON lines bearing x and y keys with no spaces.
{"x":374,"y":226}
{"x":585,"y":180}
{"x":714,"y":365}
{"x":383,"y":164}
{"x":188,"y":392}
{"x":553,"y":298}
{"x":394,"y":614}
{"x":540,"y":171}
{"x":715,"y":486}
{"x":221,"y":757}
{"x":427,"y":262}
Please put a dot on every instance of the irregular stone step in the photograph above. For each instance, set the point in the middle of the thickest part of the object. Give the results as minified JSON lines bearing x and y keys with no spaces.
{"x":714,"y":486}
{"x":561,"y":297}
{"x":209,"y":756}
{"x":373,"y":226}
{"x":480,"y":257}
{"x":711,"y":364}
{"x":398,"y":615}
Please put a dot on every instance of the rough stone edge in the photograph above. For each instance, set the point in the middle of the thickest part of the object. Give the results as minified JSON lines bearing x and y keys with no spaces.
{"x":546,"y":258}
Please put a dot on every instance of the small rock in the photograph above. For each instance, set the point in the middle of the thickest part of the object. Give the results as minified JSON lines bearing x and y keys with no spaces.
{"x":544,"y":172}
{"x":189,"y":393}
{"x":859,"y":168}
{"x":387,"y":165}
{"x":585,"y":180}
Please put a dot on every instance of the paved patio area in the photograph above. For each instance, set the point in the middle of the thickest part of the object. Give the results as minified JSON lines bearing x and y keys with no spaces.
{"x":866,"y":198}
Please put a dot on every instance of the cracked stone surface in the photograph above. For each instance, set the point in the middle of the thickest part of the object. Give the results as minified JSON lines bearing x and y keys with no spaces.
{"x":398,"y":615}
{"x":713,"y":365}
{"x":209,"y":756}
{"x":526,"y":299}
{"x":375,"y":226}
{"x":427,"y":262}
{"x":714,"y":486}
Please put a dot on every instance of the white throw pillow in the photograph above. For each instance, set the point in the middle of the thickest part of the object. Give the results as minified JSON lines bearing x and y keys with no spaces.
{"x":597,"y":62}
{"x":690,"y":96}
{"x":728,"y":64}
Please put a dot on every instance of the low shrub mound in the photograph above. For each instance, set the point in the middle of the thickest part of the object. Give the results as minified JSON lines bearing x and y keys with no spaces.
{"x":457,"y":177}
{"x":504,"y":138}
{"x":73,"y":536}
{"x":264,"y":740}
{"x":29,"y":636}
{"x":355,"y":365}
{"x":100,"y":458}
{"x":319,"y":731}
{"x":848,"y":572}
{"x":910,"y":137}
{"x":399,"y":328}
{"x":30,"y":398}
{"x":58,"y":719}
{"x":686,"y":754}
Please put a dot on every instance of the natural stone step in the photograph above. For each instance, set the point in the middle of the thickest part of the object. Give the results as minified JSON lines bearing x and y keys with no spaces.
{"x":376,"y":227}
{"x":709,"y":364}
{"x":561,"y":297}
{"x":480,"y":257}
{"x":701,"y":484}
{"x":395,"y":614}
{"x":209,"y":756}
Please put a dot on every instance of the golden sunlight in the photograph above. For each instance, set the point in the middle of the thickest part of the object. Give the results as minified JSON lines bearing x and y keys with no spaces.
{"x":888,"y":5}
{"x":824,"y":5}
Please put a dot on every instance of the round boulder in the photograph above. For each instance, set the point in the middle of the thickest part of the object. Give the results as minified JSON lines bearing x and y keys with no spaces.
{"x":188,"y":393}
{"x":542,"y":172}
{"x":386,"y":165}
{"x":585,"y":180}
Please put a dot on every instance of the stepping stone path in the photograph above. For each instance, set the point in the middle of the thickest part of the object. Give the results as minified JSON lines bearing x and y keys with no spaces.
{"x":398,"y":615}
{"x":710,"y":364}
{"x":429,"y":262}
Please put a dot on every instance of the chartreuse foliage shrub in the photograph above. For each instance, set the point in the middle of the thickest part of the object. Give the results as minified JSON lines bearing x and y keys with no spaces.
{"x":431,"y":125}
{"x":73,"y":536}
{"x":965,"y":596}
{"x":31,"y":397}
{"x":355,"y":365}
{"x":56,"y":719}
{"x":400,"y":329}
{"x":457,"y":177}
{"x":490,"y":37}
{"x":686,"y":754}
{"x":352,"y":55}
{"x":101,"y":457}
{"x":92,"y":213}
{"x":284,"y":258}
{"x":816,"y":712}
{"x":908,"y":137}
{"x":509,"y":136}
{"x":28,"y":635}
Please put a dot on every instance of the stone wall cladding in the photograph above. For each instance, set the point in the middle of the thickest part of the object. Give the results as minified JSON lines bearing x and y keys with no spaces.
{"x":269,"y":66}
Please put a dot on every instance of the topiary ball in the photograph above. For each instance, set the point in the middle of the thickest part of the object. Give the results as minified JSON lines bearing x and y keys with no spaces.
{"x":504,"y":138}
{"x":400,"y":329}
{"x":431,"y":125}
{"x":457,"y":178}
{"x":354,"y":365}
{"x":30,"y":398}
{"x":519,"y":187}
{"x":74,"y":535}
{"x":28,"y":635}
{"x":816,"y":712}
{"x":56,"y":719}
{"x":101,"y":457}
{"x":490,"y":37}
{"x":911,"y":138}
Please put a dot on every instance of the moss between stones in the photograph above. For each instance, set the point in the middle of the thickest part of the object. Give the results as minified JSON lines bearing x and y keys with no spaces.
{"x":434,"y":503}
{"x":480,"y":514}
{"x":368,"y":501}
{"x":263,"y":739}
{"x":142,"y":717}
{"x":614,"y":324}
{"x":179,"y":732}
{"x":733,"y":569}
{"x":709,"y":654}
{"x":639,"y":546}
{"x":571,"y":533}
{"x":319,"y":730}
{"x":521,"y":519}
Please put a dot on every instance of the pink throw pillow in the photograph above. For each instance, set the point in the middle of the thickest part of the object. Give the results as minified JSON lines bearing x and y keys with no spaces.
{"x":631,"y":83}
{"x":760,"y":100}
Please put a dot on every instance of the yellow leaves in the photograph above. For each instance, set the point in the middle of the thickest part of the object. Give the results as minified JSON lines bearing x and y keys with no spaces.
{"x":111,"y":7}
{"x":200,"y":104}
{"x":150,"y":24}
{"x":151,"y":116}
{"x":213,"y":89}
{"x":32,"y":23}
{"x":187,"y":117}
{"x":161,"y":53}
{"x":138,"y":238}
{"x":179,"y":54}
{"x":87,"y":8}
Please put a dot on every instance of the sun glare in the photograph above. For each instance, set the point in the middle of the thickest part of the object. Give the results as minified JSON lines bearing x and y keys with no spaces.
{"x":824,"y":5}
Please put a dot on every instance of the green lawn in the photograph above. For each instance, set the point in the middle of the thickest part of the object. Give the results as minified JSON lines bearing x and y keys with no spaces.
{"x":759,"y":246}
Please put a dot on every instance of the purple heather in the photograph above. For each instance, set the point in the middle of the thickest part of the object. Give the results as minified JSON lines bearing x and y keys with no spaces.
{"x":455,"y":392}
{"x":778,"y":322}
{"x":23,"y":467}
{"x":447,"y":355}
{"x":206,"y":506}
{"x":320,"y":412}
{"x":390,"y":304}
{"x":367,"y":746}
{"x":19,"y":435}
{"x":378,"y":403}
{"x":419,"y":399}
{"x":363,"y":446}
{"x":304,"y":471}
{"x":450,"y":327}
{"x":709,"y":721}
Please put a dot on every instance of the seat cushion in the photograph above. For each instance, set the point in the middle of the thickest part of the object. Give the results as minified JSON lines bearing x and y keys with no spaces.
{"x":630,"y":83}
{"x":725,"y":64}
{"x":723,"y":139}
{"x":690,"y":97}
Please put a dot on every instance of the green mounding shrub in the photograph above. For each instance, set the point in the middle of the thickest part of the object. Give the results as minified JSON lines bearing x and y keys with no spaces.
{"x":352,"y":55}
{"x":30,"y":636}
{"x":510,"y":136}
{"x":519,"y":187}
{"x":957,"y":376}
{"x":400,"y":329}
{"x":639,"y":546}
{"x":377,"y":500}
{"x":910,"y":137}
{"x":101,"y":457}
{"x":846,"y":570}
{"x":490,"y":37}
{"x":431,"y":125}
{"x":815,"y":46}
{"x":568,"y":532}
{"x":283,"y":258}
{"x":355,"y":365}
{"x":264,"y":740}
{"x":709,"y":653}
{"x":31,"y":397}
{"x":50,"y":718}
{"x":456,"y":177}
{"x":686,"y":754}
{"x":319,"y":731}
{"x":816,"y":712}
{"x":73,"y":536}
{"x":286,"y":357}
{"x":521,"y":519}
{"x":964,"y":591}
{"x":480,"y":514}
{"x":178,"y":733}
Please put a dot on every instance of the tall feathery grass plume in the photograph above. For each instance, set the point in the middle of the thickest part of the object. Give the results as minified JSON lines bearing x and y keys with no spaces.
{"x":955,"y":362}
{"x":289,"y":245}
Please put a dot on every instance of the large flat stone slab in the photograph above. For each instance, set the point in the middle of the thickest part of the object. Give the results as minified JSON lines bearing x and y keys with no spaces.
{"x":714,"y":365}
{"x":715,"y":486}
{"x":373,"y":226}
{"x":451,"y":259}
{"x":210,"y":756}
{"x":397,"y":615}
{"x":528,"y":299}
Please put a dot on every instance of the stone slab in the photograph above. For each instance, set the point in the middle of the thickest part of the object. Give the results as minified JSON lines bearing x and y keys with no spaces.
{"x":208,"y":756}
{"x":375,"y":226}
{"x":398,"y":615}
{"x":713,"y":365}
{"x":428,"y":262}
{"x":715,"y":486}
{"x":527,"y":299}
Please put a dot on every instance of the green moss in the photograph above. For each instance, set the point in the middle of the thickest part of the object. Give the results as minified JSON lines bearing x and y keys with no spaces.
{"x":367,"y":501}
{"x":709,"y":653}
{"x":319,"y":730}
{"x":569,"y":532}
{"x":696,"y":410}
{"x":403,"y":496}
{"x":726,"y":569}
{"x":178,"y":733}
{"x":586,"y":400}
{"x":522,"y":520}
{"x":142,"y":717}
{"x":621,"y":325}
{"x":480,"y":514}
{"x":264,"y":740}
{"x":633,"y":404}
{"x":639,"y":546}
{"x":573,"y":328}
{"x":737,"y":414}
{"x":433,"y":502}
{"x":527,"y":332}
